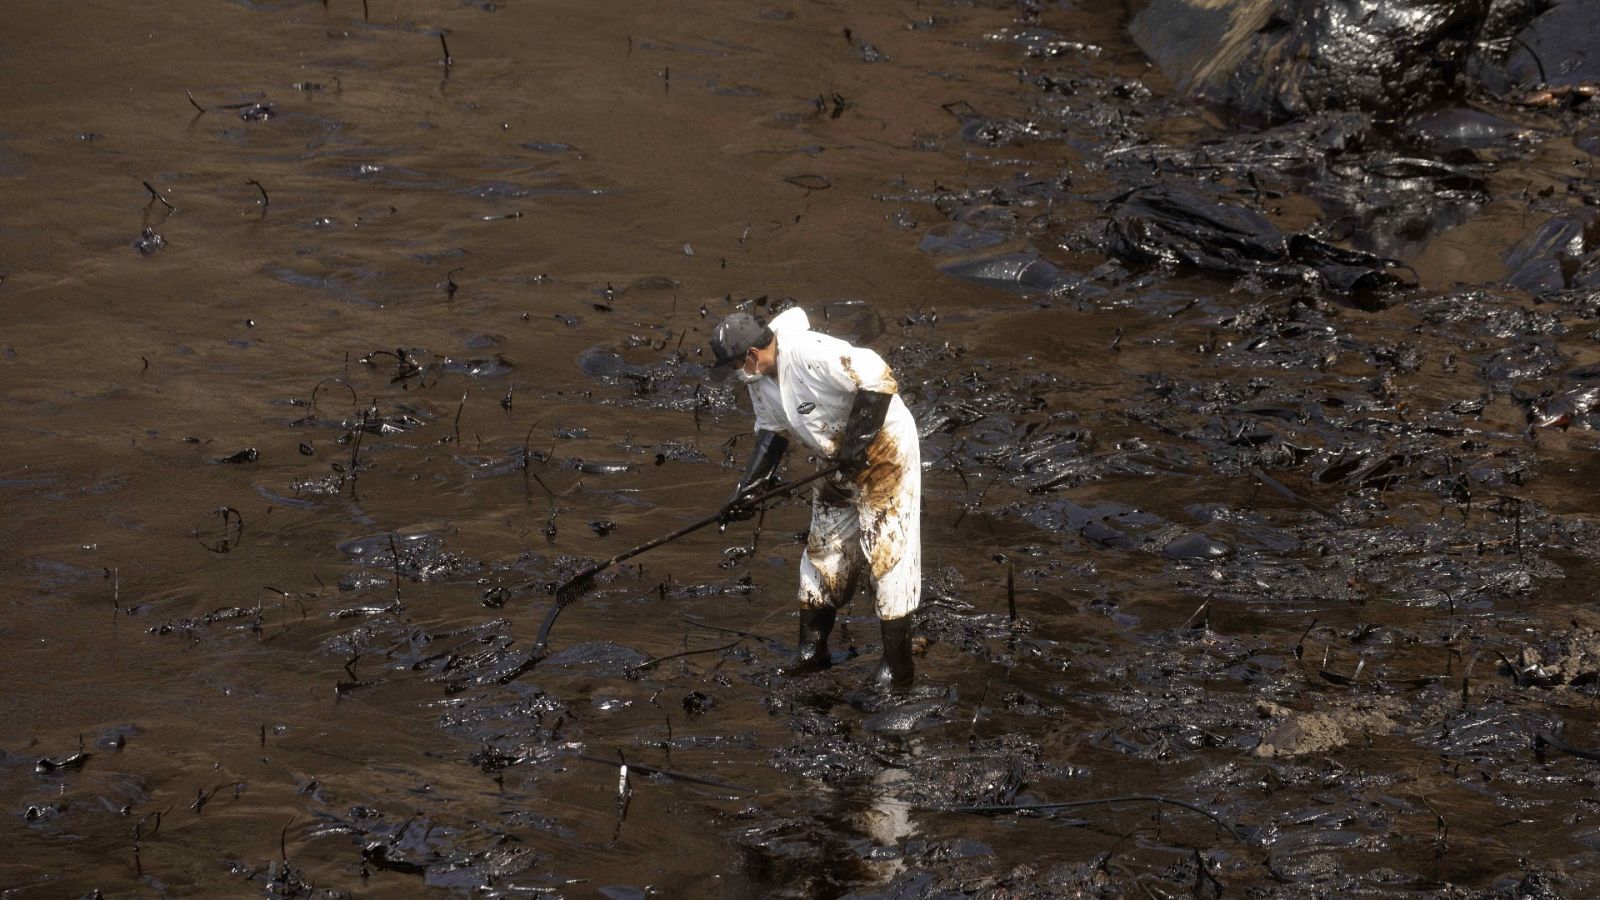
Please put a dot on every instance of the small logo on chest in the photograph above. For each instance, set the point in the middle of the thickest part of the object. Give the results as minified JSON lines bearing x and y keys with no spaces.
{"x":806,"y":408}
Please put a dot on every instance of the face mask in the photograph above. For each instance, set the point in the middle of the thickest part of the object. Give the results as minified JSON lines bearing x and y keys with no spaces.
{"x":748,"y":377}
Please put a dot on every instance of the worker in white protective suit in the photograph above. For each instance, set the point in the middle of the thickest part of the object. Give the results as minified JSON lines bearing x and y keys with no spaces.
{"x":842,"y":403}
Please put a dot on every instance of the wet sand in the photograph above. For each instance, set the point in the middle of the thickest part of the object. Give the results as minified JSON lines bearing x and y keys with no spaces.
{"x":284,"y":496}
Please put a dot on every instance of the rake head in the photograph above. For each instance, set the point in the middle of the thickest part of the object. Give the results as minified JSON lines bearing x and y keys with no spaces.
{"x":566,"y":592}
{"x":574,"y":588}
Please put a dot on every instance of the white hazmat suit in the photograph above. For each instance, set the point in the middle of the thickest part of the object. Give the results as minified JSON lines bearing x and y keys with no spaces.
{"x":871,"y":523}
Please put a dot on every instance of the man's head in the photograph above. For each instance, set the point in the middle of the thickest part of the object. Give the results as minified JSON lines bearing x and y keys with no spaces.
{"x":743,"y":342}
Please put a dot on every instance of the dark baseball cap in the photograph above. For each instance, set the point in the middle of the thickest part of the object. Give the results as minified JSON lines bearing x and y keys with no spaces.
{"x":732,"y":339}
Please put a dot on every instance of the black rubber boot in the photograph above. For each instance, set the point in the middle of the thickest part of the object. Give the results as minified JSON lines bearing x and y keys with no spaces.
{"x":816,"y":622}
{"x":895,"y":671}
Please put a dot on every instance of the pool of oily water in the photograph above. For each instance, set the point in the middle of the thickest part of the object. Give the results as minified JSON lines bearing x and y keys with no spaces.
{"x":1259,"y":452}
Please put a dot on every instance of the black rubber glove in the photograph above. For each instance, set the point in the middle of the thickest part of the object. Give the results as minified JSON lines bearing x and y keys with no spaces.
{"x":759,"y":475}
{"x":866,"y":420}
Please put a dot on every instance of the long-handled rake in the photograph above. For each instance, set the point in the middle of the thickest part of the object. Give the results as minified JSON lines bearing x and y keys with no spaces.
{"x":579,"y":584}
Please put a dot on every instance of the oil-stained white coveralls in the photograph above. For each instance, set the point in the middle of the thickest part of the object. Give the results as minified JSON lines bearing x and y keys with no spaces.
{"x":874,"y":520}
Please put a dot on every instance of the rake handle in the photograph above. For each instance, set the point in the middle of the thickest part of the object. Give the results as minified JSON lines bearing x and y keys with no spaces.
{"x":565,"y":594}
